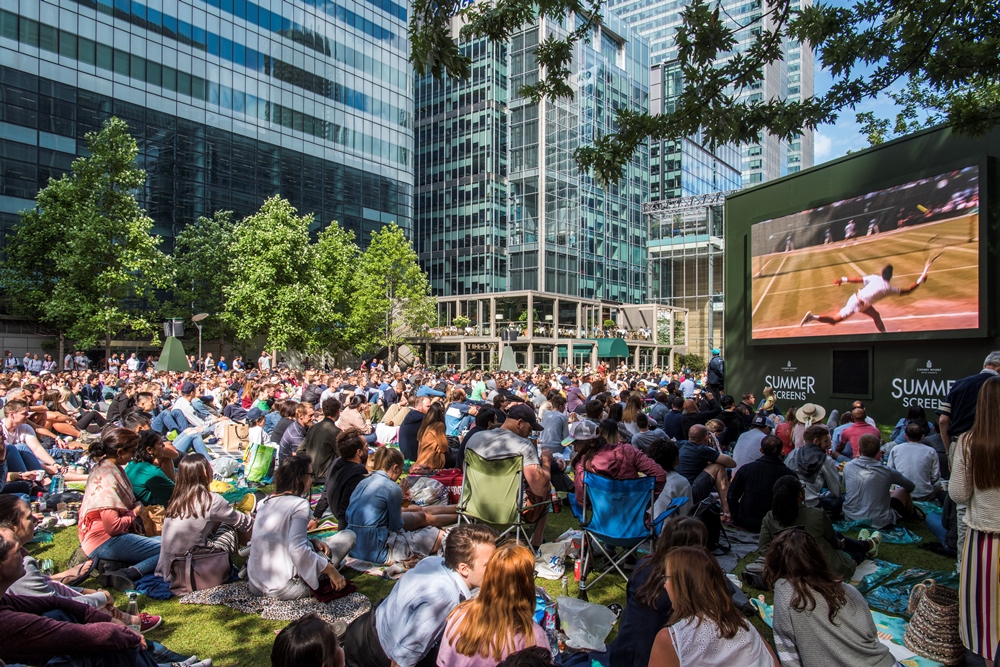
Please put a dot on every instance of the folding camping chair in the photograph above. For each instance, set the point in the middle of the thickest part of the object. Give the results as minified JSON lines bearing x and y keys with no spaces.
{"x":620,"y":511}
{"x":492,"y":493}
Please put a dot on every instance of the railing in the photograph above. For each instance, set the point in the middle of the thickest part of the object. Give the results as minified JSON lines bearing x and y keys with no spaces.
{"x":546,"y":331}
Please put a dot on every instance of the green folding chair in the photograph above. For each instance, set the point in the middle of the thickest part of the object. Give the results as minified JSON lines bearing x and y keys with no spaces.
{"x":492,"y":493}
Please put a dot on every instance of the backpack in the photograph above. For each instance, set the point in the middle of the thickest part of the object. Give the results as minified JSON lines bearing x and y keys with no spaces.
{"x":709,"y":512}
{"x":258,"y":463}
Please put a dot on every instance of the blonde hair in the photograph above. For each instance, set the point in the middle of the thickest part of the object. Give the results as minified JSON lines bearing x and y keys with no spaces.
{"x":489,"y":624}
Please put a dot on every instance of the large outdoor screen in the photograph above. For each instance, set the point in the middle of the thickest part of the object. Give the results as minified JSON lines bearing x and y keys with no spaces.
{"x":900,"y":260}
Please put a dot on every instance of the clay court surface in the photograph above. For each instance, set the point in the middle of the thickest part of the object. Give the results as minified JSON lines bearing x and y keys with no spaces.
{"x":786,"y":285}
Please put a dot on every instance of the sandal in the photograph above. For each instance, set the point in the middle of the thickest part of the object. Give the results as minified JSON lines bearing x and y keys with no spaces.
{"x":82,"y":573}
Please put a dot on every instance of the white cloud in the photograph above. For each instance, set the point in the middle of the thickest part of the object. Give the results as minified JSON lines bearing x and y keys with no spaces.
{"x":822,"y":146}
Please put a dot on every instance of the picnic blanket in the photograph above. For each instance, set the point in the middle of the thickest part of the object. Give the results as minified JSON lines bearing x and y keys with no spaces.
{"x":893,"y":595}
{"x":895,"y":535}
{"x":743,"y":543}
{"x":870,"y":573}
{"x":328,"y":528}
{"x":890,"y":632}
{"x":237,"y":596}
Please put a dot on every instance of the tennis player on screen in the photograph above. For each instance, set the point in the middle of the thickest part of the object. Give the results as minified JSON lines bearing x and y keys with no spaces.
{"x":876,"y":287}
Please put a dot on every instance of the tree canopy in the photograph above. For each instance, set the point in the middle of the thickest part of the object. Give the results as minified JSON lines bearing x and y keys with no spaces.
{"x":948,"y":52}
{"x":201,"y":260}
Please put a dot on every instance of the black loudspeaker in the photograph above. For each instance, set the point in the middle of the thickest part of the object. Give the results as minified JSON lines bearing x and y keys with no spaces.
{"x":512,"y":337}
{"x":504,"y":334}
{"x":174,"y":327}
{"x":852,"y":372}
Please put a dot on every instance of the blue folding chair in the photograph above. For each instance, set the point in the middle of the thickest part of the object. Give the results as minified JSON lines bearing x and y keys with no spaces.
{"x":619,"y":517}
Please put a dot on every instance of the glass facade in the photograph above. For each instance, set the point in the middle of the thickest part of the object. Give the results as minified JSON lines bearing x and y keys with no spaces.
{"x":545,"y":227}
{"x":792,"y":78}
{"x":230,"y":101}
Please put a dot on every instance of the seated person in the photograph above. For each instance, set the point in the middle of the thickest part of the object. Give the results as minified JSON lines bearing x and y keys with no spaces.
{"x":676,"y":485}
{"x":866,"y":488}
{"x":309,"y":640}
{"x":15,"y":478}
{"x":646,"y":437}
{"x":704,"y":467}
{"x":604,"y":455}
{"x":344,"y":475}
{"x":705,"y":616}
{"x":751,"y":491}
{"x":511,"y":440}
{"x":407,"y":626}
{"x":499,"y":621}
{"x":16,"y":516}
{"x":817,"y":614}
{"x":19,"y":434}
{"x":918,"y":463}
{"x":914,"y":414}
{"x":321,"y":439}
{"x":816,"y":470}
{"x":459,"y":415}
{"x":432,"y":443}
{"x":109,"y":527}
{"x":284,"y":563}
{"x":647,"y":605}
{"x":58,"y":631}
{"x":842,"y":555}
{"x":295,"y":434}
{"x":149,"y":483}
{"x":747,"y":447}
{"x":375,"y":514}
{"x":196,"y":517}
{"x":847,"y":447}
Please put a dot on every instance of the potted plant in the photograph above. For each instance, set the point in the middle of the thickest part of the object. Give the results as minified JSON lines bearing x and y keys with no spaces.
{"x":460,"y":321}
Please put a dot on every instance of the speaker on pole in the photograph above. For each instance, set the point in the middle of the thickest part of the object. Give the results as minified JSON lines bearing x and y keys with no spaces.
{"x":173,"y":327}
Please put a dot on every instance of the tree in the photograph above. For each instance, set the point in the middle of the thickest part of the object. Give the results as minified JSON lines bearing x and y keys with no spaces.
{"x":950,"y":49}
{"x":274,"y":291}
{"x":390,"y":294}
{"x":336,"y":262}
{"x":84,"y":259}
{"x":201,"y":262}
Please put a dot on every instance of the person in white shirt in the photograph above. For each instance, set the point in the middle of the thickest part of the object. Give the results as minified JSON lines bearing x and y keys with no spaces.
{"x":264,"y":362}
{"x":919,"y":463}
{"x":81,"y":361}
{"x":132,"y":364}
{"x":9,"y":362}
{"x":876,"y":287}
{"x":35,"y":364}
{"x":26,"y":361}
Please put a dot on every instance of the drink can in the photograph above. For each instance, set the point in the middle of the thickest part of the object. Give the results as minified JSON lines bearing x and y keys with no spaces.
{"x":556,"y":503}
{"x":576,"y":570}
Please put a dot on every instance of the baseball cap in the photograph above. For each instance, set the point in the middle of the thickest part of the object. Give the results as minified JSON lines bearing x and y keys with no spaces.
{"x":188,"y":388}
{"x":253,"y":414}
{"x":762,"y":420}
{"x":582,"y":430}
{"x":715,"y":350}
{"x":524,"y":413}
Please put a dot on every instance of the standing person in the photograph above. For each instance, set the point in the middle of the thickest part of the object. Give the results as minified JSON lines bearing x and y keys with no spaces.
{"x":716,"y":373}
{"x":975,"y":482}
{"x":406,"y":627}
{"x":816,"y":614}
{"x":708,"y":630}
{"x":486,"y":629}
{"x":264,"y":362}
{"x":958,"y":411}
{"x":876,"y":287}
{"x":320,"y":442}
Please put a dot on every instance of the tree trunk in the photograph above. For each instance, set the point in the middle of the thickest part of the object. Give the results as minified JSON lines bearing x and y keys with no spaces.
{"x":62,"y":348}
{"x":107,"y":348}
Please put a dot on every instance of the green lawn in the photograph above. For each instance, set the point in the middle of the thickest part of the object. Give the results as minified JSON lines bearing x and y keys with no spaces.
{"x":233,"y":639}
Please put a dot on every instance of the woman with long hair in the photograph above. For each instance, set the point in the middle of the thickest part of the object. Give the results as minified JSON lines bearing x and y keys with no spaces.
{"x":109,"y":526}
{"x":309,"y":641}
{"x":816,"y":614}
{"x":707,"y":630}
{"x":606,"y":456}
{"x":150,"y":484}
{"x":432,"y":442}
{"x":842,"y":554}
{"x":196,"y":517}
{"x":633,"y":407}
{"x":784,"y":431}
{"x":486,"y":629}
{"x":975,"y":481}
{"x":647,"y":605}
{"x":387,"y":534}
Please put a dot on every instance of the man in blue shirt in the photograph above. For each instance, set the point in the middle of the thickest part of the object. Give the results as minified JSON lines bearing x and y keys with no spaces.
{"x":406,"y":628}
{"x":705,"y":467}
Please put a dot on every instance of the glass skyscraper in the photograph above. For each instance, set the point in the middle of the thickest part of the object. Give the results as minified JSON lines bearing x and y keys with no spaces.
{"x":231,"y":101}
{"x":792,"y":78}
{"x":501,"y":204}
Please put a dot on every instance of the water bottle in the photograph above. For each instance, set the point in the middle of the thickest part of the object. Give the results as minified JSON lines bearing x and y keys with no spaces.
{"x":242,"y":481}
{"x":58,"y":484}
{"x":133,"y":611}
{"x":565,"y":585}
{"x":551,"y":630}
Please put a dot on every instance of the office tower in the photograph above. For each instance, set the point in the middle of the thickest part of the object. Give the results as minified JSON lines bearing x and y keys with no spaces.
{"x":501,"y":204}
{"x":792,"y":78}
{"x":231,"y":102}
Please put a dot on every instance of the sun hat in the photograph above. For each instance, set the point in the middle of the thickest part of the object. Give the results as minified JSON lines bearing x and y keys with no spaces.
{"x":810,"y":413}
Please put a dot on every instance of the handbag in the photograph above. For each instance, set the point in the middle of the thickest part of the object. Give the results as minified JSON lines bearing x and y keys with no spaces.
{"x":235,"y":437}
{"x":933,"y":629}
{"x":152,"y":519}
{"x":198,"y":569}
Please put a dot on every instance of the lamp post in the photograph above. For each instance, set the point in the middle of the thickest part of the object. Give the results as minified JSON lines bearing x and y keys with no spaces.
{"x":197,"y":322}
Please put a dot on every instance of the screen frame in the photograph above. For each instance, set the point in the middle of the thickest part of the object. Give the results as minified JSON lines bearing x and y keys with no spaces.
{"x":986,"y":175}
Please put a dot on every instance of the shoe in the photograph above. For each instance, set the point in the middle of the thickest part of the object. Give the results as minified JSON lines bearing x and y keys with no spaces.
{"x":864,"y":534}
{"x":876,"y":540}
{"x":149,"y":622}
{"x":807,"y":318}
{"x":117,"y":579}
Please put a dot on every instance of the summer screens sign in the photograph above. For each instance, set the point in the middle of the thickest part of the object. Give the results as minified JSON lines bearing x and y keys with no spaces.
{"x":903,"y":259}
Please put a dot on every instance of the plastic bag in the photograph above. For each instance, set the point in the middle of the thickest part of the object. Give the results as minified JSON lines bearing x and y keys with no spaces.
{"x":225,"y":467}
{"x":586,"y":624}
{"x":574,"y":537}
{"x":551,"y":560}
{"x":428,"y":491}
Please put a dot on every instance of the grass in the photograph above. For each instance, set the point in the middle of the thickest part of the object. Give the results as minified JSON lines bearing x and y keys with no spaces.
{"x":234,"y":639}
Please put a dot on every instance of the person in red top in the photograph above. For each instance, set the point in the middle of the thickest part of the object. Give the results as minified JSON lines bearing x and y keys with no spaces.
{"x":599,"y":451}
{"x":848,"y":445}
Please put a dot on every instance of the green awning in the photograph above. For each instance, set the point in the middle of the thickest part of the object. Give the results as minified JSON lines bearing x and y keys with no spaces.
{"x":173,"y":357}
{"x":612,"y":348}
{"x":578,"y":348}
